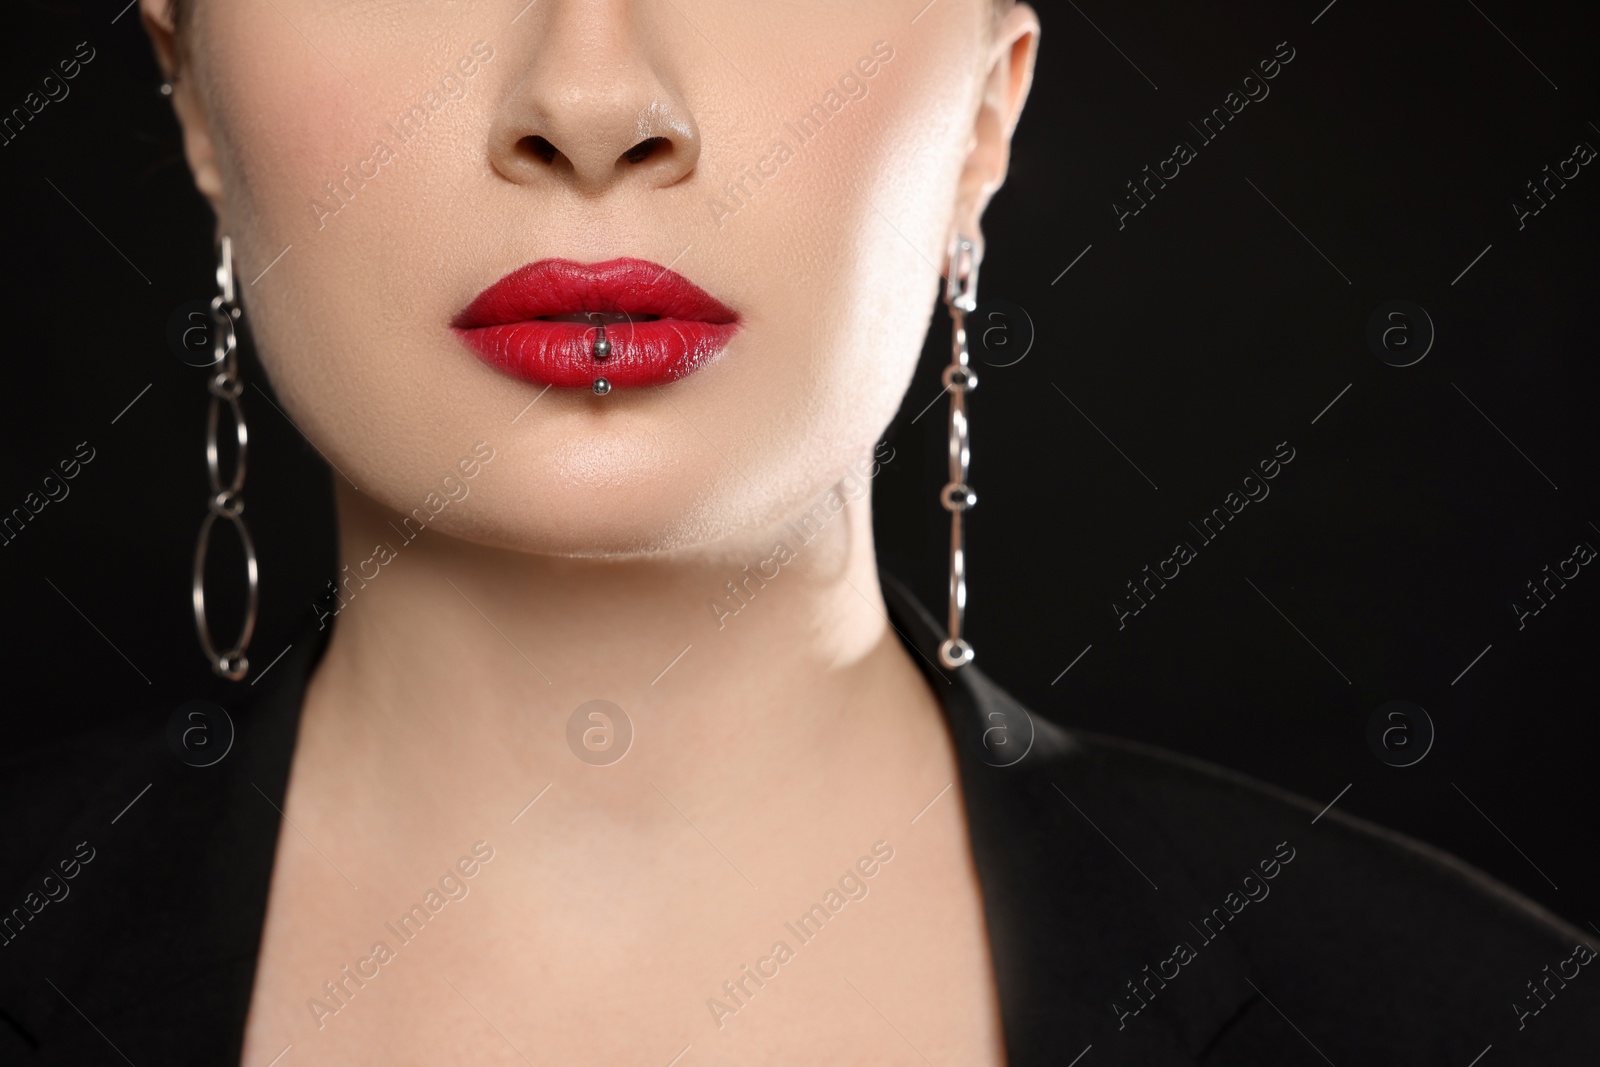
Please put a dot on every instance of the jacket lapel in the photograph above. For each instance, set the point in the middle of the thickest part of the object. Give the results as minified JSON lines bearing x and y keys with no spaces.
{"x":1081,"y":894}
{"x":152,"y":952}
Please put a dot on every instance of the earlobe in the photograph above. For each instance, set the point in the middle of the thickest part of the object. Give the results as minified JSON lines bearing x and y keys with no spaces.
{"x":1005,"y":91}
{"x":198,"y":149}
{"x":156,"y":16}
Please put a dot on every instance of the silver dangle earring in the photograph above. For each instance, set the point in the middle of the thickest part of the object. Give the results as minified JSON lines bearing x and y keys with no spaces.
{"x":225,"y":502}
{"x":961,"y":296}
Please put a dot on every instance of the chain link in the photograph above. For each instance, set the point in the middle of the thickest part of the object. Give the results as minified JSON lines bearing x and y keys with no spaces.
{"x":225,"y":502}
{"x":961,"y":294}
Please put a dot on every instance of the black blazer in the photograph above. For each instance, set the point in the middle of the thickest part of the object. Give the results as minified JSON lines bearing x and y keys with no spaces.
{"x":1142,"y":908}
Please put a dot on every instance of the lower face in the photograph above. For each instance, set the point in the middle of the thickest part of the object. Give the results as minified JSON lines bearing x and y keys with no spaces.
{"x":370,"y":213}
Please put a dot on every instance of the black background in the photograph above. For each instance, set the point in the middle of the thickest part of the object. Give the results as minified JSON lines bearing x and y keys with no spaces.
{"x":1219,"y":321}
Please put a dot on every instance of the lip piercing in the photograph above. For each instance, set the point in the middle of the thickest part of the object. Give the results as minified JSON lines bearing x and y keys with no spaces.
{"x":602,"y":346}
{"x":602,"y":352}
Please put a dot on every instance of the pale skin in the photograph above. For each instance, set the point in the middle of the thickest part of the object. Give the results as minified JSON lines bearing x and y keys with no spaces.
{"x":788,"y":739}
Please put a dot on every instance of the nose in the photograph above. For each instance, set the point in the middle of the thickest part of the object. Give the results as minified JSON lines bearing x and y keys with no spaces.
{"x":594,"y":105}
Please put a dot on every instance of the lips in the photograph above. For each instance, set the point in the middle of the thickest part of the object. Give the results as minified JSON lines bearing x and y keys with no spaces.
{"x":541,"y":322}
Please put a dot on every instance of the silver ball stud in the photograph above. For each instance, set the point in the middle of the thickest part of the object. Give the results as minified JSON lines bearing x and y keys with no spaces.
{"x":601,"y":387}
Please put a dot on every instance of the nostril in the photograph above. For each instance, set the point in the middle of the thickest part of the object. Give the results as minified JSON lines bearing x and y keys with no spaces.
{"x":645,"y":149}
{"x":541,"y":148}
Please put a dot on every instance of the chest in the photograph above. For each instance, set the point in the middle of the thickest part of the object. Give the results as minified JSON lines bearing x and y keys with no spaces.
{"x":517,"y":952}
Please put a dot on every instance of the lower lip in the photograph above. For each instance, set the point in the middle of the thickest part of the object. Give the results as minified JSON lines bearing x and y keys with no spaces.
{"x":562,"y":353}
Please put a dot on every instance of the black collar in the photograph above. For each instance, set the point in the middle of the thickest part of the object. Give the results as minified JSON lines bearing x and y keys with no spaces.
{"x":156,"y":943}
{"x":1071,"y":918}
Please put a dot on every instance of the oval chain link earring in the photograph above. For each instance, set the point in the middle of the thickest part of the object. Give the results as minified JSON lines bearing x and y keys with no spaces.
{"x":961,"y":296}
{"x":226,"y":502}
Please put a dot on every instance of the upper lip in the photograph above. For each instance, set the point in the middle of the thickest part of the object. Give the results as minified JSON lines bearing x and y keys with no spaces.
{"x":633,"y":287}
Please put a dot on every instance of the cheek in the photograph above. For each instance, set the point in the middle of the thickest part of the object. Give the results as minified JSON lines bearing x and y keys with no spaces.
{"x":283,"y":116}
{"x":340,"y":256}
{"x":902,"y":165}
{"x":850,"y":238}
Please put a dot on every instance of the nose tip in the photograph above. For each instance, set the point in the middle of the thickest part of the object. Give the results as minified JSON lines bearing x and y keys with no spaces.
{"x":591,"y":110}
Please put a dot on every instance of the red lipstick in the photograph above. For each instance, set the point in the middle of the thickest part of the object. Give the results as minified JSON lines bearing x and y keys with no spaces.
{"x":542,"y":323}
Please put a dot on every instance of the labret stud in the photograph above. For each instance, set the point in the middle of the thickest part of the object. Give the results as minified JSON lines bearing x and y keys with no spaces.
{"x":602,"y":352}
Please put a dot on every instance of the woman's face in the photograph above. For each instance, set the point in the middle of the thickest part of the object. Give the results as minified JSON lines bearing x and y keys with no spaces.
{"x":379,"y":164}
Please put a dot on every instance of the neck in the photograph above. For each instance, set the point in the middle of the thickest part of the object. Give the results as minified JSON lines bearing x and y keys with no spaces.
{"x":730,"y":662}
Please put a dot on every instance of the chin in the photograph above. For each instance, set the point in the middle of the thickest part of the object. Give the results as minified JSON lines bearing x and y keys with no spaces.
{"x":606,"y":496}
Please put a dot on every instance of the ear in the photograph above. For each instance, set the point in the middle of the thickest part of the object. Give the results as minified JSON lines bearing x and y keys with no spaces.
{"x":1010,"y":74}
{"x":178,"y":68}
